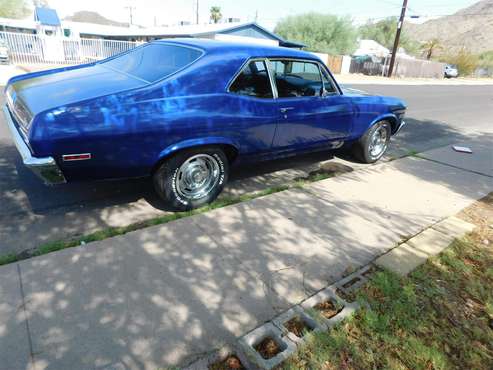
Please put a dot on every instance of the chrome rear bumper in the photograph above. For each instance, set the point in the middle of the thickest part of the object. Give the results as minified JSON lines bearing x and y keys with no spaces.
{"x":44,"y":167}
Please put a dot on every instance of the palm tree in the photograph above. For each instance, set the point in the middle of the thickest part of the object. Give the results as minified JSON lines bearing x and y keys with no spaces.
{"x":216,"y":14}
{"x":430,"y":46}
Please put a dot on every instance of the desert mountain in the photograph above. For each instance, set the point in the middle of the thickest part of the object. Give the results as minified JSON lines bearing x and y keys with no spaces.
{"x":470,"y":28}
{"x":93,"y":17}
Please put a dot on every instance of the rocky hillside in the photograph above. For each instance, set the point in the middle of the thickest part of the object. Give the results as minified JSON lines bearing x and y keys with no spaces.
{"x":471,"y":28}
{"x":93,"y":17}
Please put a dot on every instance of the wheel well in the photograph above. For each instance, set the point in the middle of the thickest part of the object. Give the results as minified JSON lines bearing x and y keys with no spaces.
{"x":229,"y":150}
{"x":393,"y":123}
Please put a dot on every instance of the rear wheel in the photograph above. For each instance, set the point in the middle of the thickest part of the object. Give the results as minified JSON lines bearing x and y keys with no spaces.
{"x":191,"y":178}
{"x":374,"y":143}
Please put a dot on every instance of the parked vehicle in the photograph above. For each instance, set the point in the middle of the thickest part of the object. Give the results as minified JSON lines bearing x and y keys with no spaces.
{"x":4,"y":52}
{"x":184,"y":110}
{"x":451,"y":71}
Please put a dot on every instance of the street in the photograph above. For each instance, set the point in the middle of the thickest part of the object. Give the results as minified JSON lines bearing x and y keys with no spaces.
{"x":437,"y":116}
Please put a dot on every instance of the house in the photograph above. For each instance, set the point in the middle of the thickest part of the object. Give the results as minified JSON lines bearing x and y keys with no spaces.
{"x":46,"y":22}
{"x":237,"y":31}
{"x":371,"y":48}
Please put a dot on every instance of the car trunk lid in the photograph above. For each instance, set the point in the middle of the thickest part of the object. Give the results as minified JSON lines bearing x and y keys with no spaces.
{"x":47,"y":91}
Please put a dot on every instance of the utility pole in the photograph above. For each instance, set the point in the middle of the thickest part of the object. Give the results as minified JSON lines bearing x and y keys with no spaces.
{"x":397,"y":38}
{"x":130,"y":10}
{"x":197,"y":12}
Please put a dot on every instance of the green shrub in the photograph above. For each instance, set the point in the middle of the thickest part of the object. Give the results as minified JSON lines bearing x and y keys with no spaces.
{"x":465,"y":61}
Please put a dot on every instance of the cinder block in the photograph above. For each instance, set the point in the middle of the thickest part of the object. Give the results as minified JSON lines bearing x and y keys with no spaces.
{"x":454,"y":226}
{"x":353,"y":281}
{"x":329,"y":293}
{"x":431,"y":242}
{"x":248,"y":341}
{"x":297,"y":311}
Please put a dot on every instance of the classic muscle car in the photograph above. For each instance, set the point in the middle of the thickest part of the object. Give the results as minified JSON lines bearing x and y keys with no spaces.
{"x":183,"y":110}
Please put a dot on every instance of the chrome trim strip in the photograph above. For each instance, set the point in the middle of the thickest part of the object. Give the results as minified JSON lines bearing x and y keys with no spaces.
{"x":44,"y":167}
{"x":272,"y":79}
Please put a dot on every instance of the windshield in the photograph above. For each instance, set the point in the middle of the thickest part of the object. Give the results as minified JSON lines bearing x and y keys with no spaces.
{"x":153,"y":62}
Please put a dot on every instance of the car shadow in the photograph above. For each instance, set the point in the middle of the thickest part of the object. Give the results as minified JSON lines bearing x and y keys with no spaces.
{"x":80,"y":208}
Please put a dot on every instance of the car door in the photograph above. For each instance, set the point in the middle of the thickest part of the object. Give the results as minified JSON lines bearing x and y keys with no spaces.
{"x":251,"y":109}
{"x":312,"y":112}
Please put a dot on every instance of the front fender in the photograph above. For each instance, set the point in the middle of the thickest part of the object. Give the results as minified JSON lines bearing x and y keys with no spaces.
{"x":190,"y":143}
{"x":392,"y":118}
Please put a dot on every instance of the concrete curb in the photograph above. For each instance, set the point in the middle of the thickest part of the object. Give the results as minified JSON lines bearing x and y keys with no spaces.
{"x":407,"y":256}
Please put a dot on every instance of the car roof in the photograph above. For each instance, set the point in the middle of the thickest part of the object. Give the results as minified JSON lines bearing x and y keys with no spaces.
{"x":250,"y":49}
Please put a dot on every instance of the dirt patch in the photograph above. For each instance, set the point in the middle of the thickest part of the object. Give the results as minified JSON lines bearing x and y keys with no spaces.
{"x":481,"y":215}
{"x":334,"y":168}
{"x":268,"y":348}
{"x":297,"y":326}
{"x":231,"y":362}
{"x":328,"y":309}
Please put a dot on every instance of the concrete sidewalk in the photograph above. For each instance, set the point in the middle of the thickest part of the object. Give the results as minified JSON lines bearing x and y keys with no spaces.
{"x":164,"y":295}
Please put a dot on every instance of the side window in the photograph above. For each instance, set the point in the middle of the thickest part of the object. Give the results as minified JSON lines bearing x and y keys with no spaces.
{"x":297,"y":78}
{"x":253,"y":81}
{"x":329,"y":87}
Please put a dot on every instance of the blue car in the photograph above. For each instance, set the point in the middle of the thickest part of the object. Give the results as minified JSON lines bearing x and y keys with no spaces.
{"x":182,"y":111}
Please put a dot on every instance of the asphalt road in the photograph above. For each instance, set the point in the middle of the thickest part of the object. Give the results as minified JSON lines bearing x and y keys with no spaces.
{"x":437,"y":116}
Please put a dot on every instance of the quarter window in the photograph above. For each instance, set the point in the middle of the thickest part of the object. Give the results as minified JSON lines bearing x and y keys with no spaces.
{"x":297,"y":78}
{"x":253,"y":81}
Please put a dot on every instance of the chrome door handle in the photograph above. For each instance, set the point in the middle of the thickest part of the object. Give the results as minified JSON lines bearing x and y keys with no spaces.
{"x":285,"y":109}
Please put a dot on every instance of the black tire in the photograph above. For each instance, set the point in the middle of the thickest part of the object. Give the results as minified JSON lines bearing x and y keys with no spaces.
{"x":362,"y":148}
{"x":165,"y":178}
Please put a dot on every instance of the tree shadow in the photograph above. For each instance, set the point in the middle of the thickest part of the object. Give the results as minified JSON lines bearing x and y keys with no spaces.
{"x":164,"y":295}
{"x":33,"y":214}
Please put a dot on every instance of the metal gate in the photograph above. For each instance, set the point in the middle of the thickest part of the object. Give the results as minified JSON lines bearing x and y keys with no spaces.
{"x":32,"y":49}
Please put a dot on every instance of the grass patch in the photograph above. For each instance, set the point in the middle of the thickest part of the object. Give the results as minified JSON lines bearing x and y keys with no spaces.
{"x":8,"y":258}
{"x":437,"y":318}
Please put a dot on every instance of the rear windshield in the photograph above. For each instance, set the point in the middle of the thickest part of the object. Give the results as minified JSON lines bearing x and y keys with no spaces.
{"x":153,"y":62}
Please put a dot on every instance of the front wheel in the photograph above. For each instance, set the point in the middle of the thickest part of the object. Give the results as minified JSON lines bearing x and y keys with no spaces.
{"x":191,"y":178}
{"x":374,"y":143}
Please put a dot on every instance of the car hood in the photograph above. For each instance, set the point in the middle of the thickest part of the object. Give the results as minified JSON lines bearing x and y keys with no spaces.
{"x":354,"y":92}
{"x":51,"y":89}
{"x":360,"y":95}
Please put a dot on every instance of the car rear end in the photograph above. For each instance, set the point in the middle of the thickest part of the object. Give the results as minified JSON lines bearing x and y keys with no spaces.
{"x":19,"y":119}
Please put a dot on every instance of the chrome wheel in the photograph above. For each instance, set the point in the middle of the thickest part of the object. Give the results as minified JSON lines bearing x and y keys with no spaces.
{"x":378,"y":142}
{"x":197,"y":176}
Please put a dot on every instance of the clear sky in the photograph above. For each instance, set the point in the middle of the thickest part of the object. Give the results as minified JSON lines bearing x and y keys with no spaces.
{"x":146,"y":12}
